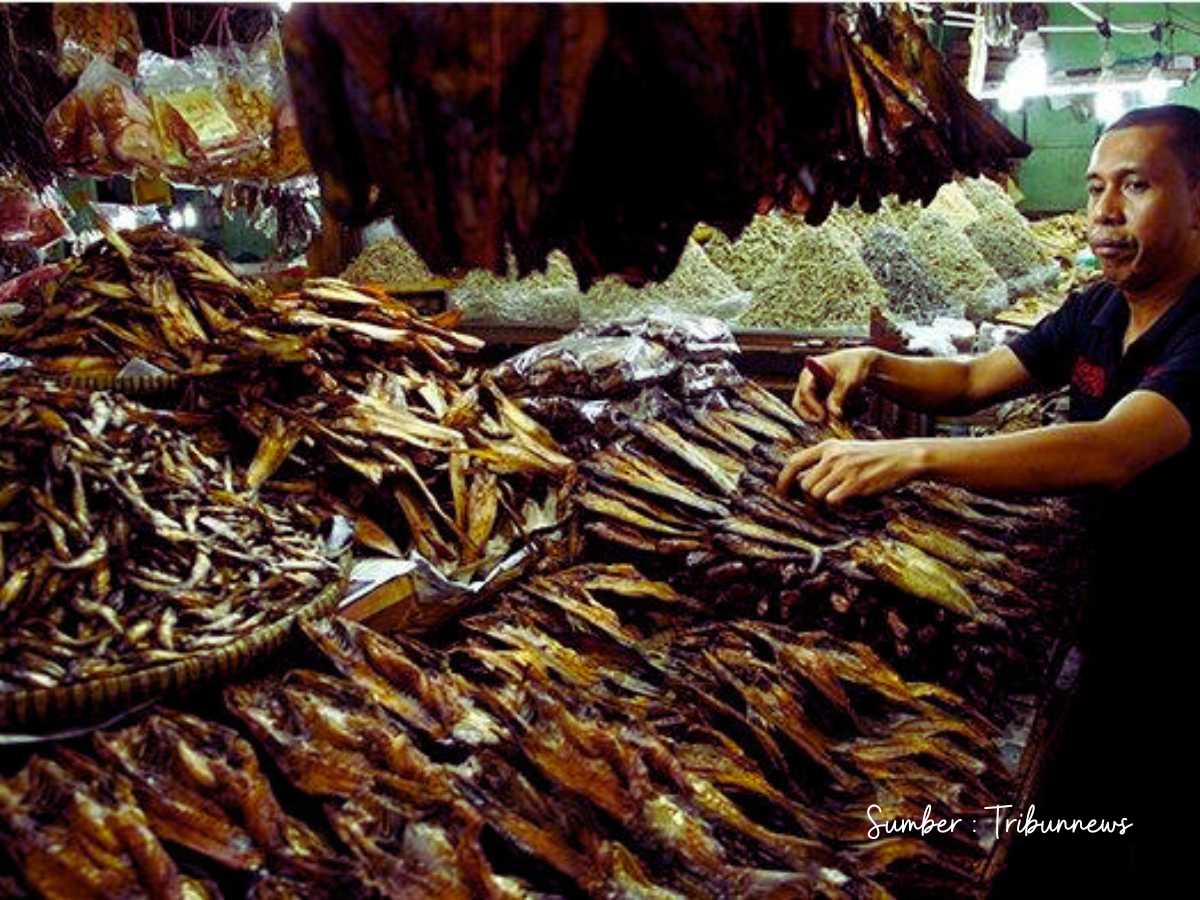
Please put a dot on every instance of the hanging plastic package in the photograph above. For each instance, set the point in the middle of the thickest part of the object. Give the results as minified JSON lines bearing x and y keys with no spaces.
{"x":244,"y":88}
{"x":87,"y":31}
{"x":196,"y":131}
{"x":102,"y":126}
{"x":30,"y":217}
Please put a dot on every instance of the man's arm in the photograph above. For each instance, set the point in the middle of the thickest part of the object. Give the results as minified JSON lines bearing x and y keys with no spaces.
{"x":957,"y":385}
{"x":1143,"y":429}
{"x":931,"y":385}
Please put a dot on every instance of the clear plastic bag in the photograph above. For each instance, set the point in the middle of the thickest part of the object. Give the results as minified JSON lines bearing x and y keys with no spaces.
{"x":29,"y":217}
{"x":87,"y":31}
{"x":198,"y":134}
{"x":583,"y":366}
{"x":694,"y":337}
{"x":103,"y":126}
{"x":246,"y":88}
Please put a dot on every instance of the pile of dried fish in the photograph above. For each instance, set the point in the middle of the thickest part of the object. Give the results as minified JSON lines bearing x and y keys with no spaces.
{"x":549,"y":297}
{"x":928,"y":576}
{"x":696,"y":286}
{"x":1012,"y":251}
{"x":448,"y":468}
{"x":1062,"y":237}
{"x":820,"y":281}
{"x":150,"y":294}
{"x":684,"y":481}
{"x":950,"y":257}
{"x":1036,"y":411}
{"x":125,"y":544}
{"x":583,"y":735}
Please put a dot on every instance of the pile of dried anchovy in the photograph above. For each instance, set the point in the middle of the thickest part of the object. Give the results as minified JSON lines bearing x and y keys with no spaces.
{"x":390,"y":261}
{"x":912,"y":293}
{"x":696,"y":286}
{"x":957,"y":266}
{"x":819,"y":282}
{"x":1009,"y":247}
{"x":550,"y":297}
{"x":757,"y":249}
{"x":125,"y":544}
{"x":951,"y":203}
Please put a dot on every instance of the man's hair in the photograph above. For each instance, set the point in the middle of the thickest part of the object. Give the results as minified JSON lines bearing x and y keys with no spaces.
{"x":1184,"y":122}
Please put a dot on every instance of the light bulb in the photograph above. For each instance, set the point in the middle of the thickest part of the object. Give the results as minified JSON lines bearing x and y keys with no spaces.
{"x":1109,"y":105}
{"x":1011,"y":98}
{"x":175,"y":219}
{"x":189,"y":216}
{"x":1154,"y":90}
{"x":1028,"y":71}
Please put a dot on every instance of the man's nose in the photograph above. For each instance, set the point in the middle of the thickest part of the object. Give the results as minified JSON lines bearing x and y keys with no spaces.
{"x":1107,"y":207}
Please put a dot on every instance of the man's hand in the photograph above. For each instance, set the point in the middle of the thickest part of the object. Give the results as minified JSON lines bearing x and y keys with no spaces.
{"x":835,"y":471}
{"x":849,"y":369}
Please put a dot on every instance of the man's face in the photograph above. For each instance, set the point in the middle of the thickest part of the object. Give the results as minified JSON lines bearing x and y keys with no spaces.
{"x":1143,"y":213}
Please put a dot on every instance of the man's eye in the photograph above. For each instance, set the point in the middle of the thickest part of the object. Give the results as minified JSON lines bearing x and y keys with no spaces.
{"x":1136,"y":186}
{"x":1094,"y":189}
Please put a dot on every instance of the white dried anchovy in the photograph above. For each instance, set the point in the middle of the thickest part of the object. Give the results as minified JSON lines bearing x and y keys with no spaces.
{"x":696,"y":286}
{"x":757,"y":249}
{"x":953,"y":261}
{"x":952,"y":203}
{"x":860,"y":223}
{"x":389,"y":261}
{"x":1009,"y":248}
{"x":550,"y":297}
{"x":904,"y":214}
{"x":820,"y":282}
{"x":991,"y":199}
{"x":912,"y":292}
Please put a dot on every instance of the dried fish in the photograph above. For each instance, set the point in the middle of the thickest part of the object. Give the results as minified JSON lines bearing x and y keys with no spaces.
{"x":144,"y":536}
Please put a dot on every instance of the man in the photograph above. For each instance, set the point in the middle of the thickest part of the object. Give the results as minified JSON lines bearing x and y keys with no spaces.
{"x":1130,"y":349}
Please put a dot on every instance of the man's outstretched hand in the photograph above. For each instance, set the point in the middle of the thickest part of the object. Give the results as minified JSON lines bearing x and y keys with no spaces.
{"x":836,"y":471}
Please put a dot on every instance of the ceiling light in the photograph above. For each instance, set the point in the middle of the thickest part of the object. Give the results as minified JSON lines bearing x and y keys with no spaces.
{"x":1011,"y":97}
{"x":1028,"y":71}
{"x":1109,"y":104}
{"x":1155,"y":90}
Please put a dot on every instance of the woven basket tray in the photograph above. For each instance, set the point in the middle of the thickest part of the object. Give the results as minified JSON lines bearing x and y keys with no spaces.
{"x":123,"y":384}
{"x":89,"y":700}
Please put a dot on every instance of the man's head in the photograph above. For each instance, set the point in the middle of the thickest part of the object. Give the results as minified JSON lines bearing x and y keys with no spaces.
{"x":1144,"y":198}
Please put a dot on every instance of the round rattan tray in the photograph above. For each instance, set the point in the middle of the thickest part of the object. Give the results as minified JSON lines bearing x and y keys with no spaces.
{"x":102,"y":697}
{"x":122,"y":384}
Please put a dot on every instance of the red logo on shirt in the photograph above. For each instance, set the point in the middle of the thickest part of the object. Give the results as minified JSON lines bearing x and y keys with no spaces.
{"x":1088,"y":378}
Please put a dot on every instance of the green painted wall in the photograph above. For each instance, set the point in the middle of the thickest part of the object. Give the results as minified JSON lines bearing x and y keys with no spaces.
{"x":1052,"y":177}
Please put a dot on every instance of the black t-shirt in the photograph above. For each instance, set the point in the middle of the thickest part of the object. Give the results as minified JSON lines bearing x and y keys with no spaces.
{"x":1141,"y":534}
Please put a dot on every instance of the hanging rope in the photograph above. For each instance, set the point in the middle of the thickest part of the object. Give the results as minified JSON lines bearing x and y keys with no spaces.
{"x":211,"y":25}
{"x":171,"y":31}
